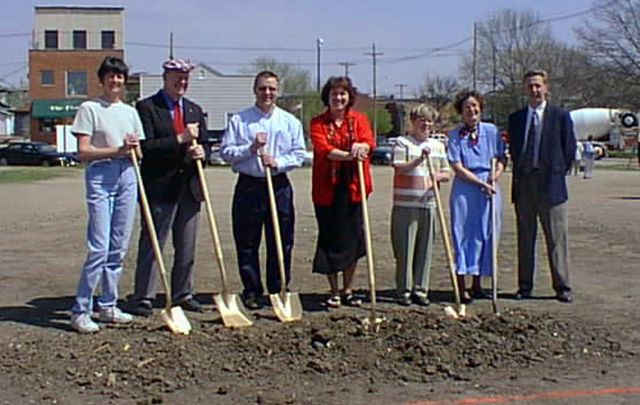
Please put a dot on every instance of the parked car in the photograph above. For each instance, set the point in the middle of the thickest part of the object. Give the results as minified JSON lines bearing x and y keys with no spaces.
{"x":308,"y":158}
{"x":382,"y":154}
{"x":213,"y":156}
{"x":35,"y":153}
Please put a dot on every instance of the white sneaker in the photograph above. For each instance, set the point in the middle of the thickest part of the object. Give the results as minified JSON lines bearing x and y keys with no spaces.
{"x":83,"y":323}
{"x":114,"y":315}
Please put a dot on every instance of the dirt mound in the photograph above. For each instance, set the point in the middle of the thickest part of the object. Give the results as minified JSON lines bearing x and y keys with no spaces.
{"x":144,"y":363}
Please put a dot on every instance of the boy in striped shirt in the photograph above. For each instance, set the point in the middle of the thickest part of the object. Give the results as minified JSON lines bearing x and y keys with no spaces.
{"x":413,"y":214}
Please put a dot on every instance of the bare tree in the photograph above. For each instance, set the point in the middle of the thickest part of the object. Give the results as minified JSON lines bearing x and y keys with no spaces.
{"x":612,"y":36}
{"x":509,"y":43}
{"x":294,"y":80}
{"x":438,"y":90}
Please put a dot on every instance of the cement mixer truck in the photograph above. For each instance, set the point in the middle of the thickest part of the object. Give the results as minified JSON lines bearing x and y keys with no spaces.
{"x":611,"y":124}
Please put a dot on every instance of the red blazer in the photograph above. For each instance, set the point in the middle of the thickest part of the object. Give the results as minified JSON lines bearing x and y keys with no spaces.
{"x":323,"y":182}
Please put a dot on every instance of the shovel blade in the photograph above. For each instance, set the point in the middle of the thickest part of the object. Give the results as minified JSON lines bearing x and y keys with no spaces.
{"x":231,"y":311}
{"x":451,"y":313}
{"x":176,"y":320}
{"x":287,"y":307}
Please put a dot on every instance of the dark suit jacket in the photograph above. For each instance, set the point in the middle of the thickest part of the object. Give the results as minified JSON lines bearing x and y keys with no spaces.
{"x":165,"y":167}
{"x":557,"y":151}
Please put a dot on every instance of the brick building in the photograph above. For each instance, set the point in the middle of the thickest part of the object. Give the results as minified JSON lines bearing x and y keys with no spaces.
{"x":68,"y":45}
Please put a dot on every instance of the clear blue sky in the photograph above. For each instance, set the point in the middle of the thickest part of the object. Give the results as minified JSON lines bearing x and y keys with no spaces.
{"x":287,"y":30}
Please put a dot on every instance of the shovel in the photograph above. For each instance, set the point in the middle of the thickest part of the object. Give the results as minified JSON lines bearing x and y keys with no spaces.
{"x":461,"y":310}
{"x":173,"y":317}
{"x":494,"y":246}
{"x":372,"y":322}
{"x":285,"y":304}
{"x":228,"y":305}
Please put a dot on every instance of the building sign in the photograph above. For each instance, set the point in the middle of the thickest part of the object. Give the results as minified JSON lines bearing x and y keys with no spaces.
{"x":61,"y":108}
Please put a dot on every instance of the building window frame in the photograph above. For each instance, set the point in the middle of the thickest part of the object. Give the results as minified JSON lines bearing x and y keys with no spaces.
{"x":76,"y":83}
{"x":108,"y":39}
{"x":79,"y":39}
{"x":47,"y":77}
{"x":51,"y":39}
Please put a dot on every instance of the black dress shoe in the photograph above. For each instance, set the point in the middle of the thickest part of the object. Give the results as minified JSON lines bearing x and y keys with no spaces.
{"x":190,"y":304}
{"x":404,"y":300}
{"x":479,"y":294}
{"x":421,"y":300}
{"x":139,"y":308}
{"x":564,"y":296}
{"x":522,"y":295}
{"x":252,"y":303}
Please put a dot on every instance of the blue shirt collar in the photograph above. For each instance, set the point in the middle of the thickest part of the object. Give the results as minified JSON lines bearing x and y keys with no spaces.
{"x":170,"y":103}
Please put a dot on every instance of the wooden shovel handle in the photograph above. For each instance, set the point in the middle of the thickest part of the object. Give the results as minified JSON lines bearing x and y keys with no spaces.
{"x":151,"y":230}
{"x":445,"y":233}
{"x":213,"y":227}
{"x":368,"y":245}
{"x":276,"y":230}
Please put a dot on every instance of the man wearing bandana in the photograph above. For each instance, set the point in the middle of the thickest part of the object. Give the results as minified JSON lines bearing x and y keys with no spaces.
{"x":171,"y":122}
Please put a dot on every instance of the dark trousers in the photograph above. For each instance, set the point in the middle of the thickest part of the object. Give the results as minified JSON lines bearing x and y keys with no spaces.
{"x":531,"y":205}
{"x":181,"y":218}
{"x":250,"y":214}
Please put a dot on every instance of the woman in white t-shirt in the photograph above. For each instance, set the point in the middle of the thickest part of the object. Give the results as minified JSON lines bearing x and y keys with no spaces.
{"x":107,"y":130}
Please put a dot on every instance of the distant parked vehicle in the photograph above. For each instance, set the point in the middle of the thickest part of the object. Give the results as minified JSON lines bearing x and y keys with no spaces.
{"x":308,"y":158}
{"x":383,"y":153}
{"x":35,"y":154}
{"x":213,"y":157}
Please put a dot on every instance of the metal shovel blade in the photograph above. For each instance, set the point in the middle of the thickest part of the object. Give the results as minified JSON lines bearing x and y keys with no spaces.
{"x":231,"y":311}
{"x":287,"y":306}
{"x":452,"y":313}
{"x":176,"y":320}
{"x":372,"y":324}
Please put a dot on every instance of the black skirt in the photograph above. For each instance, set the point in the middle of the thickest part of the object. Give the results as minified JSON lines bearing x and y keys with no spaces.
{"x":340,"y":234}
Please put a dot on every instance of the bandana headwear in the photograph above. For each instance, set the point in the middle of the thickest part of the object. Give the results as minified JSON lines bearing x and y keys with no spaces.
{"x":178,"y":65}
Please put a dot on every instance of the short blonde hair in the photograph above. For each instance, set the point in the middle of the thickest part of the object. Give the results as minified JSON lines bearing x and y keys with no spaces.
{"x":423,"y":111}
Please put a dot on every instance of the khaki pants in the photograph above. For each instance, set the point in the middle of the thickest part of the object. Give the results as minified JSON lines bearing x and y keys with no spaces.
{"x":412,"y":231}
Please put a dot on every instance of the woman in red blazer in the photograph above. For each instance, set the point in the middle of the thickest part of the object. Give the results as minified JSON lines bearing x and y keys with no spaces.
{"x":340,"y":137}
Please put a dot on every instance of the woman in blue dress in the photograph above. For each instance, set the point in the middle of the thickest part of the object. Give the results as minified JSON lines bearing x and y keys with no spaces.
{"x":472,"y":146}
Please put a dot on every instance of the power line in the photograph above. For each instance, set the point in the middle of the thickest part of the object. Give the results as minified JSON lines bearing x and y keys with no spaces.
{"x":15,"y":34}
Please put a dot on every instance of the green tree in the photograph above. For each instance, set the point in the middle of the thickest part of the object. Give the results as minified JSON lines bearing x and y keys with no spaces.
{"x":383,"y":120}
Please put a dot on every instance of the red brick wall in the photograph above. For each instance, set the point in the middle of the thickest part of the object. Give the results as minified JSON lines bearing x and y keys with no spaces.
{"x":61,"y":61}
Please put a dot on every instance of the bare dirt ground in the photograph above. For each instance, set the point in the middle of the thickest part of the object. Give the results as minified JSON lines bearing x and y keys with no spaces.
{"x":536,"y":346}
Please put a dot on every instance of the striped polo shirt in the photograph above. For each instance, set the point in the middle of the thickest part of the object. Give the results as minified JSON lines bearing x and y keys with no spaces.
{"x":414,"y":188}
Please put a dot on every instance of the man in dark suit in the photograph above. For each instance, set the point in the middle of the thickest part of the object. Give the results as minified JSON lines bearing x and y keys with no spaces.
{"x":171,"y":123}
{"x":543,"y":147}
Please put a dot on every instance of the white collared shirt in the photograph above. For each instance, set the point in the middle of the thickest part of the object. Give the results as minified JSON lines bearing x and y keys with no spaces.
{"x":539,"y":110}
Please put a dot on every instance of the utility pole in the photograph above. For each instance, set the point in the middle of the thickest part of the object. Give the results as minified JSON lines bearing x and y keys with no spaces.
{"x":319,"y":42}
{"x":374,"y":55}
{"x":171,"y":45}
{"x":475,"y":56}
{"x":401,"y":87}
{"x":346,"y":67}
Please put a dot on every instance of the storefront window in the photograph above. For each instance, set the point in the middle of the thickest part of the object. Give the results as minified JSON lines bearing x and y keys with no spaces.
{"x":76,"y":83}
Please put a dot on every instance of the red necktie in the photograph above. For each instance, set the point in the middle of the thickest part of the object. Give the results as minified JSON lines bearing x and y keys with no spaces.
{"x":178,"y":121}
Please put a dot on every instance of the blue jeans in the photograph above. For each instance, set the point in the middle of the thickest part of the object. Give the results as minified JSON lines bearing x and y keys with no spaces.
{"x":111,"y":192}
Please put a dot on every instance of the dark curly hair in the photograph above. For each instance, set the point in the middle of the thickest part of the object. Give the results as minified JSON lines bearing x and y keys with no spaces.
{"x":342,"y":82}
{"x":462,"y":96}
